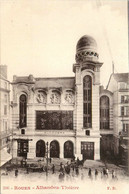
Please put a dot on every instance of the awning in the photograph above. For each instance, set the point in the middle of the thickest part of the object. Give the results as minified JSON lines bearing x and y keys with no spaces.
{"x":4,"y":157}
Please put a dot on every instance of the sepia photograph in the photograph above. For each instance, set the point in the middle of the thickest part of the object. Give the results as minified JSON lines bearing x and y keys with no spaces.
{"x":64,"y":97}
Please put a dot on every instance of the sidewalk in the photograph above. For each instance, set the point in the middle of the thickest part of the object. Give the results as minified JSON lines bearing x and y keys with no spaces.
{"x":94,"y":164}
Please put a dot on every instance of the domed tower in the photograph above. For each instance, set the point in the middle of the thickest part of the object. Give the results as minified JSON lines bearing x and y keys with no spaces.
{"x":87,"y":56}
{"x":86,"y":50}
{"x":87,"y":81}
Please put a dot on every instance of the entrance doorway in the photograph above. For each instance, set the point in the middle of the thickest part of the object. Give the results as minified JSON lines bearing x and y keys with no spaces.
{"x":68,"y":149}
{"x":23,"y":147}
{"x":87,"y":150}
{"x":54,"y":149}
{"x":40,"y":148}
{"x":106,"y":147}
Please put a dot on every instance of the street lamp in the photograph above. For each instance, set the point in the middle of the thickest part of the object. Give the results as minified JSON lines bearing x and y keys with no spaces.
{"x":47,"y":159}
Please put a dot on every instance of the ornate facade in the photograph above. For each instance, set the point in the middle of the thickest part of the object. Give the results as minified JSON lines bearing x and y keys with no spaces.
{"x":73,"y":114}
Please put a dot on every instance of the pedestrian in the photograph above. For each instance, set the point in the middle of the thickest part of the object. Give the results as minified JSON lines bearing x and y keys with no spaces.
{"x":77,"y":170}
{"x":50,"y":160}
{"x":101,"y":174}
{"x":113,"y":174}
{"x":16,"y":172}
{"x":104,"y":172}
{"x":53,"y":169}
{"x":115,"y":178}
{"x":78,"y":161}
{"x":82,"y":176}
{"x":27,"y":170}
{"x":43,"y":169}
{"x":25,"y":162}
{"x":61,"y":176}
{"x":6,"y":171}
{"x":73,"y":167}
{"x":22,"y":163}
{"x":107,"y":172}
{"x":96,"y":174}
{"x":90,"y":173}
{"x":67,"y":169}
{"x":61,"y":167}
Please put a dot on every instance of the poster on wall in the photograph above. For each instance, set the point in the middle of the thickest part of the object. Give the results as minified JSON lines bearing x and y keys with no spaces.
{"x":64,"y":97}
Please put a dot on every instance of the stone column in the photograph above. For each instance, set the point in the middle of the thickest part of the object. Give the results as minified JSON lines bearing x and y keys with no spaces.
{"x":32,"y":150}
{"x":61,"y":149}
{"x":97,"y":149}
{"x":14,"y":149}
{"x":78,"y":150}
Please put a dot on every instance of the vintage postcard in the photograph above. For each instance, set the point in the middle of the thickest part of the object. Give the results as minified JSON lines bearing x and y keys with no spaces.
{"x":64,"y":102}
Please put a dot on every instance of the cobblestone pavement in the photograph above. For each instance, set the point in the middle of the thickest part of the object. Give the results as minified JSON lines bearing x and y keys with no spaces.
{"x":72,"y":180}
{"x":83,"y":173}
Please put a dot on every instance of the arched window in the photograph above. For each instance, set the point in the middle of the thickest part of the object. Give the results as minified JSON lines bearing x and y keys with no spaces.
{"x":40,"y":148}
{"x":54,"y":149}
{"x":23,"y":111}
{"x":104,"y":112}
{"x":68,"y":149}
{"x":87,"y":106}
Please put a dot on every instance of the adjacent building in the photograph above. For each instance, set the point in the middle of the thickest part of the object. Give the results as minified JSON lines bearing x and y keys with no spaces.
{"x":119,"y":86}
{"x":5,"y":131}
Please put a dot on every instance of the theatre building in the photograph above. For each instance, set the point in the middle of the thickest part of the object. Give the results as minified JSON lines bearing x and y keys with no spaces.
{"x":63,"y":111}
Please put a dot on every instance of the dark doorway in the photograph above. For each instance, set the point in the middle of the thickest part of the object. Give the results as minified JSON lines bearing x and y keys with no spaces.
{"x":54,"y":149}
{"x":40,"y":148}
{"x":87,"y":150}
{"x":106,"y":147}
{"x":68,"y":149}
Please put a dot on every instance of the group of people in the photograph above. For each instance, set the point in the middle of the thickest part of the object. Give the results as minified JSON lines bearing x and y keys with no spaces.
{"x":66,"y":170}
{"x":73,"y":168}
{"x":104,"y":174}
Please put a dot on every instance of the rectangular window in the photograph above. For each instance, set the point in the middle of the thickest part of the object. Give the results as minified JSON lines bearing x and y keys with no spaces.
{"x":5,"y":126}
{"x":122,"y":85}
{"x":122,"y":111}
{"x":54,"y":120}
{"x":5,"y":109}
{"x":87,"y":97}
{"x":5,"y":98}
{"x":125,"y":99}
{"x":5,"y":85}
{"x":125,"y":127}
{"x":125,"y":111}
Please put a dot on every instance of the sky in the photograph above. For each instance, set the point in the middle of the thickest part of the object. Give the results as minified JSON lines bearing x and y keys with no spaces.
{"x":39,"y":37}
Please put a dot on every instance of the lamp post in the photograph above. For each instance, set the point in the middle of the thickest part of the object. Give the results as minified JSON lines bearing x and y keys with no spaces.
{"x":47,"y":160}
